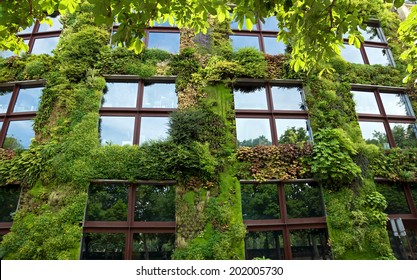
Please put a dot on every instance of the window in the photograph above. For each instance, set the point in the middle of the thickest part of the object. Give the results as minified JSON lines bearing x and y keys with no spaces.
{"x":129,"y":221}
{"x":263,"y":37}
{"x":9,"y":200}
{"x":18,"y":107}
{"x":135,"y":112}
{"x":269,"y":114}
{"x":386,"y":117}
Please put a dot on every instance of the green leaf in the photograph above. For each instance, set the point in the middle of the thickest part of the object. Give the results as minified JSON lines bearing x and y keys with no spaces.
{"x":249,"y":24}
{"x":398,"y":3}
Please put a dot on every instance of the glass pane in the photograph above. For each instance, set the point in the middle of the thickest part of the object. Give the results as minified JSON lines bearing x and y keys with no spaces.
{"x":9,"y":197}
{"x":404,"y":134}
{"x":264,"y":244}
{"x":272,"y":46}
{"x":103,"y":246}
{"x":260,"y":202}
{"x":395,"y":104}
{"x":234,"y":25}
{"x":5,"y":97}
{"x":287,"y":98}
{"x":303,"y":201}
{"x":19,"y":135}
{"x":28,"y":100}
{"x":165,"y":41}
{"x":56,"y":25}
{"x":117,"y":130}
{"x":159,"y":95}
{"x":292,"y":131}
{"x":153,"y":246}
{"x":45,"y":45}
{"x":155,"y":203}
{"x":271,"y":24}
{"x":395,"y":196}
{"x":371,"y":34}
{"x":153,"y":128}
{"x":253,"y":132}
{"x":374,"y":133}
{"x":253,"y":98}
{"x":239,"y":42}
{"x":310,"y":244}
{"x":365,"y":102}
{"x":351,"y":54}
{"x":1,"y":125}
{"x":107,"y":203}
{"x":377,"y":56}
{"x":6,"y":54}
{"x":413,"y":188}
{"x":120,"y":95}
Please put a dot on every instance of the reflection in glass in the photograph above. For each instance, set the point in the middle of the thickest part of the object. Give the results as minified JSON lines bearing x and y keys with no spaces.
{"x":260,"y":201}
{"x":371,"y":34}
{"x":117,"y":130}
{"x":56,"y":25}
{"x":19,"y":135}
{"x":153,"y":246}
{"x":28,"y":100}
{"x":365,"y":102}
{"x":264,"y":244}
{"x":153,"y":128}
{"x":103,"y":246}
{"x":292,"y":131}
{"x":45,"y":45}
{"x":395,"y":196}
{"x":377,"y":56}
{"x":244,"y":41}
{"x":287,"y":98}
{"x":164,"y":41}
{"x":9,"y":198}
{"x":273,"y":47}
{"x":158,"y":95}
{"x":271,"y":24}
{"x":6,"y":54}
{"x":253,"y":132}
{"x":120,"y":95}
{"x":351,"y":54}
{"x":310,"y":244}
{"x":250,"y":98}
{"x":5,"y":97}
{"x":374,"y":133}
{"x":107,"y":203}
{"x":404,"y":135}
{"x":394,"y":104}
{"x":303,"y":201}
{"x":155,"y":203}
{"x":1,"y":125}
{"x":413,"y":188}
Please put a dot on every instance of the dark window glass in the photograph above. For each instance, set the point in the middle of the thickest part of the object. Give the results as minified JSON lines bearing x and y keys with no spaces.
{"x":165,"y":41}
{"x":273,"y":47}
{"x":310,"y":244}
{"x":155,"y":203}
{"x":394,"y":194}
{"x":253,"y":132}
{"x":292,"y":131}
{"x":56,"y":25}
{"x":28,"y":100}
{"x":377,"y":56}
{"x":404,"y":134}
{"x":374,"y":133}
{"x":253,"y":98}
{"x":260,"y":201}
{"x":120,"y":95}
{"x":9,"y":198}
{"x":117,"y":130}
{"x":371,"y":34}
{"x":413,"y":188}
{"x":303,"y":201}
{"x":365,"y":102}
{"x":153,"y":246}
{"x":158,"y":95}
{"x":395,"y":104}
{"x":287,"y":98}
{"x":351,"y":54}
{"x":45,"y":45}
{"x":103,"y":246}
{"x":271,"y":24}
{"x":107,"y":203}
{"x":264,"y":244}
{"x":19,"y":135}
{"x":153,"y":128}
{"x":5,"y":97}
{"x":244,"y":41}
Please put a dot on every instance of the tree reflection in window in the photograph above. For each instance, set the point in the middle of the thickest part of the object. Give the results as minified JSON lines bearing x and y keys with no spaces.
{"x":264,"y":244}
{"x":309,"y":244}
{"x":374,"y":133}
{"x":107,"y":203}
{"x":9,"y":198}
{"x":103,"y":246}
{"x":303,"y":201}
{"x":260,"y":201}
{"x":155,"y":203}
{"x":395,"y":197}
{"x":153,"y":246}
{"x":404,"y":135}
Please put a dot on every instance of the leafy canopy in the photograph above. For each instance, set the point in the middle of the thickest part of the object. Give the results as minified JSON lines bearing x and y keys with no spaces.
{"x":313,"y":28}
